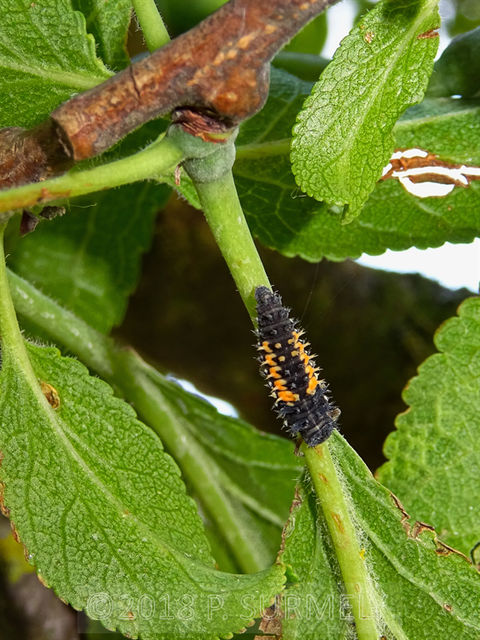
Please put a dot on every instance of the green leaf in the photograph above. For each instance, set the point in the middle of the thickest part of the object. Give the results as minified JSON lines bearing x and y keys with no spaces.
{"x":311,"y":38}
{"x":420,"y":588}
{"x":243,"y":479}
{"x":243,"y":471}
{"x":343,"y":137}
{"x":434,"y":462}
{"x":89,"y":259}
{"x":457,"y":72}
{"x":103,"y":512}
{"x":108,"y":22}
{"x":294,"y":224}
{"x":46,"y":56}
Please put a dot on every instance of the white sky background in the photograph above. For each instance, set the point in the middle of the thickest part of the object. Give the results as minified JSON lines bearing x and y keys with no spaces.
{"x":454,"y":266}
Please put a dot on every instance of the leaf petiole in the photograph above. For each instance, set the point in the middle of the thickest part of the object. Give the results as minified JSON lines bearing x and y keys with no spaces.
{"x":159,"y":158}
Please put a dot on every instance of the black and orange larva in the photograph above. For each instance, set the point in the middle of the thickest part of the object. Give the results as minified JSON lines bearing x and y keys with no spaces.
{"x":301,"y":397}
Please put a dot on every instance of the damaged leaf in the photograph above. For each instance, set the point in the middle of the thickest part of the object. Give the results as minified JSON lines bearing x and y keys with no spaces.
{"x":286,"y":220}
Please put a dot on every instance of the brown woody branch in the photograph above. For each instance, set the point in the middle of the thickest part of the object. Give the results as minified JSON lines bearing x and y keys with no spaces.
{"x":212,"y":77}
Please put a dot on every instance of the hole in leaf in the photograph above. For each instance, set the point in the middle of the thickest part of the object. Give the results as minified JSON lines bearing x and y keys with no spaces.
{"x":425,"y":175}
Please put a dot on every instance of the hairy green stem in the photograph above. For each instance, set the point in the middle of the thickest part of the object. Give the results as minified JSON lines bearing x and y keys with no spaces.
{"x":224,"y":214}
{"x":331,"y":495}
{"x":264,"y":149}
{"x":204,"y":477}
{"x":159,"y":158}
{"x":139,"y":384}
{"x":153,"y":27}
{"x":12,"y":343}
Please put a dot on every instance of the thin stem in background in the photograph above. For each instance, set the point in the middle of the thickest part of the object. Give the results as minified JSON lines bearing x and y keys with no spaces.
{"x":153,"y":27}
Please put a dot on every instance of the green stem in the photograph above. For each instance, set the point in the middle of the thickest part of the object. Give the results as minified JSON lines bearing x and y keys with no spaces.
{"x":153,"y":27}
{"x":11,"y":337}
{"x":224,"y":214}
{"x":160,"y":158}
{"x":200,"y":472}
{"x":47,"y":318}
{"x":257,"y":150}
{"x":331,"y":496}
{"x":306,"y":66}
{"x":137,"y":382}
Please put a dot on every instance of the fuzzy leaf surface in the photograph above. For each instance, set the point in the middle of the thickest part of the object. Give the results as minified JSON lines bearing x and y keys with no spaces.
{"x":89,"y":259}
{"x":434,"y":463}
{"x":252,"y":474}
{"x":294,"y":224}
{"x":46,"y":55}
{"x":108,"y":22}
{"x":343,"y":136}
{"x":419,"y":588}
{"x":103,"y":511}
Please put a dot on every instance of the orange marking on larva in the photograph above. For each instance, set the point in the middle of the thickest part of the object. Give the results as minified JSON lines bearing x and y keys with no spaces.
{"x":301,"y":351}
{"x":310,"y":371}
{"x":266,"y":347}
{"x":288,"y":396}
{"x":278,"y":345}
{"x":294,"y":354}
{"x":274,"y":372}
{"x":312,"y":385}
{"x":280,"y":385}
{"x":270,"y":359}
{"x":281,"y":358}
{"x":245,"y":41}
